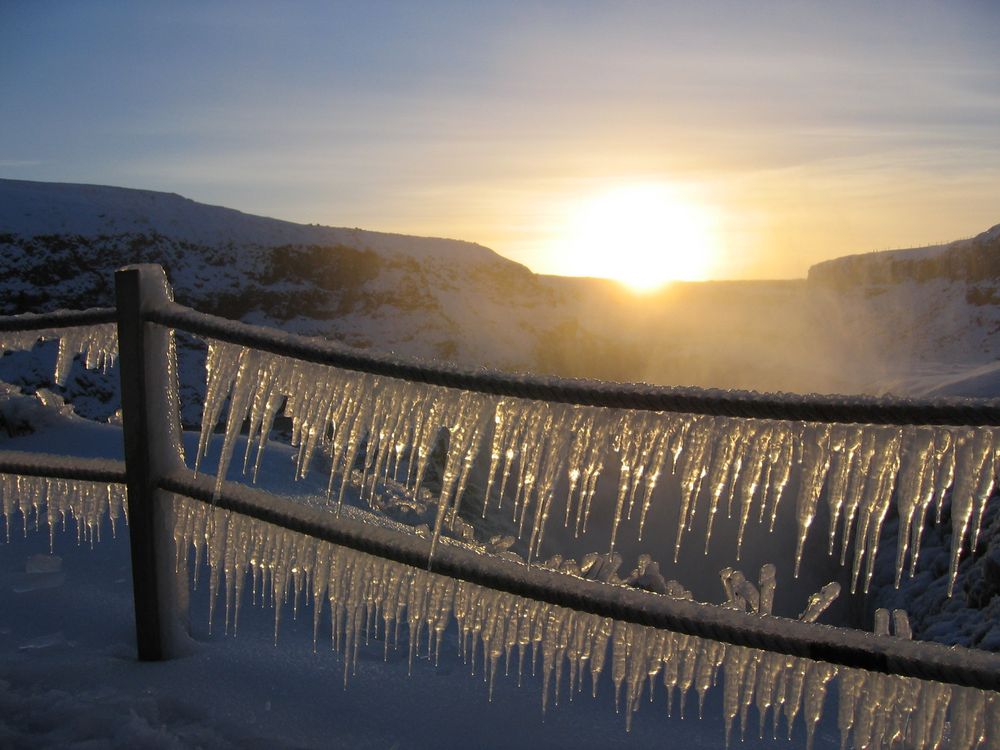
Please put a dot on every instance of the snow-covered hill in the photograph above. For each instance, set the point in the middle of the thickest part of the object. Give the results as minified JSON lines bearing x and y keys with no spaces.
{"x":421,"y":297}
{"x":932,"y":313}
{"x":32,"y":209}
{"x":915,"y":322}
{"x":976,"y":259}
{"x":912,"y":322}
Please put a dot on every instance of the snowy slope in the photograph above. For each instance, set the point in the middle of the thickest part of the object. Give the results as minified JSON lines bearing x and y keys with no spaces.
{"x":932,"y":314}
{"x":973,"y":259}
{"x":911,"y":322}
{"x":69,"y":679}
{"x":30,"y":209}
{"x":419,"y":297}
{"x":424,"y":297}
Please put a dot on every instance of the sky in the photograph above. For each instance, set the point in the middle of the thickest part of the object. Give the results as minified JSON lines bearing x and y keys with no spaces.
{"x":796,"y":131}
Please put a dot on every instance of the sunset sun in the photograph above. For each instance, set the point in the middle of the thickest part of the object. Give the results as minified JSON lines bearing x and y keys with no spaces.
{"x":643,"y":235}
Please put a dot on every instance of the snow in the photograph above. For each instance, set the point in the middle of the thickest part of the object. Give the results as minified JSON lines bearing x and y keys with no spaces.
{"x":68,"y":676}
{"x":44,"y":208}
{"x":927,"y":251}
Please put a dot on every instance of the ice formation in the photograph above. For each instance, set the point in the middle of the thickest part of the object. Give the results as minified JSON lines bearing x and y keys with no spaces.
{"x":56,"y":500}
{"x":820,"y":601}
{"x":98,"y":344}
{"x":370,"y":596}
{"x":535,"y":447}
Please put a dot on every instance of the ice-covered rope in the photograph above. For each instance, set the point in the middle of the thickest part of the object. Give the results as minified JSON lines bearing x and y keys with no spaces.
{"x":59,"y":319}
{"x":377,"y":428}
{"x":745,"y":404}
{"x":371,"y":595}
{"x":674,"y":611}
{"x":91,"y":333}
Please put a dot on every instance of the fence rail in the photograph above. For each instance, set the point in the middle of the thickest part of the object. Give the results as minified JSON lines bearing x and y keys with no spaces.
{"x":851,"y":648}
{"x":58,"y":319}
{"x":62,"y":467}
{"x":746,"y":404}
{"x":152,"y":466}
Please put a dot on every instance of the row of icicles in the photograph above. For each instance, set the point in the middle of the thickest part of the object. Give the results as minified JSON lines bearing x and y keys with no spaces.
{"x":56,"y":501}
{"x":858,"y":469}
{"x":533,"y":446}
{"x":745,"y":465}
{"x":97,"y":344}
{"x":372,"y":597}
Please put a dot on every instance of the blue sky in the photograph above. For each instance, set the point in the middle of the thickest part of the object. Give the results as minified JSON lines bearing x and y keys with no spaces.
{"x":810,"y":129}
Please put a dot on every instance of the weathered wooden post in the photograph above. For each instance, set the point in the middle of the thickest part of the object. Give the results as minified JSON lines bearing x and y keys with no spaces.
{"x":151,"y":428}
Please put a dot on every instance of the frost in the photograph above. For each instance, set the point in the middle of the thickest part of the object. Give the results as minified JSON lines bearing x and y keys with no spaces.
{"x":388,"y":428}
{"x":98,"y":344}
{"x":501,"y":633}
{"x":56,"y":500}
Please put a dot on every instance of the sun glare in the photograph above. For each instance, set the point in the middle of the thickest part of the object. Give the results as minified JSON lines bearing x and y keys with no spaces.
{"x":643,"y":235}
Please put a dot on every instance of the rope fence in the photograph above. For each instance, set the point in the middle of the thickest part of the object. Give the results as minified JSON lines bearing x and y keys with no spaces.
{"x":743,"y":404}
{"x":841,"y":646}
{"x":58,"y":319}
{"x":153,"y":466}
{"x":62,"y":467}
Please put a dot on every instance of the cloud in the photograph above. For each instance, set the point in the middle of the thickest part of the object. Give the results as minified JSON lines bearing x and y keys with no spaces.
{"x":16,"y":163}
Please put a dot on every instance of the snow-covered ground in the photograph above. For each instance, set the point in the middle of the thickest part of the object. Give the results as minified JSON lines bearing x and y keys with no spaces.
{"x":69,"y":678}
{"x":885,"y":322}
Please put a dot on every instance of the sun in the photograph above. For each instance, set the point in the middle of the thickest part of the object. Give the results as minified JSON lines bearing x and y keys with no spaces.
{"x":643,"y":235}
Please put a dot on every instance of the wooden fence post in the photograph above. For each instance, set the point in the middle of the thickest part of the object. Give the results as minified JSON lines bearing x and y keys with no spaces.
{"x":151,"y":429}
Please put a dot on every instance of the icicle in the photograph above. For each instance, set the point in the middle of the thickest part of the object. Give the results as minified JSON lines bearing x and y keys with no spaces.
{"x":691,"y":472}
{"x":901,"y":624}
{"x":816,"y":463}
{"x":820,"y":601}
{"x":98,"y":344}
{"x":86,"y":503}
{"x":874,"y":709}
{"x":768,"y":672}
{"x":759,"y":438}
{"x":910,"y":502}
{"x":779,"y":471}
{"x":858,"y":477}
{"x":881,"y":625}
{"x":973,"y":449}
{"x":817,"y":678}
{"x":844,"y":443}
{"x":361,"y":588}
{"x":740,"y":593}
{"x":734,"y":665}
{"x":727,"y":432}
{"x":875,"y":504}
{"x":767,"y":583}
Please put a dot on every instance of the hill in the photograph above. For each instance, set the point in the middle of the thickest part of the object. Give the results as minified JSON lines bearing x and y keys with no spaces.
{"x":911,"y":322}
